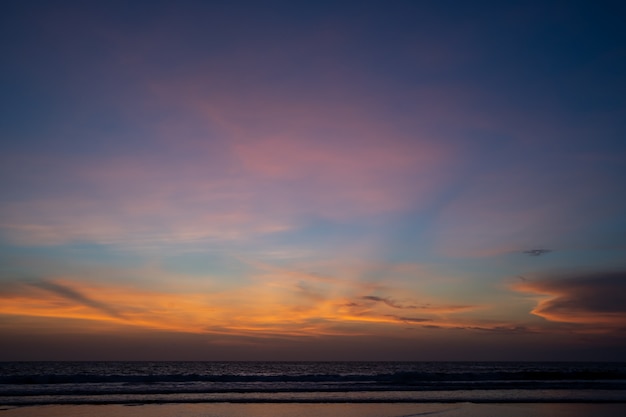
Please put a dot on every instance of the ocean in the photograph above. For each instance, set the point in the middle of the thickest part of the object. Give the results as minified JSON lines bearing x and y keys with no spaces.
{"x":47,"y":383}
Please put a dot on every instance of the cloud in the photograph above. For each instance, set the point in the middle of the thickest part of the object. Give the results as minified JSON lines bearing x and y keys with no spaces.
{"x":505,"y":329}
{"x":273,"y":301}
{"x":72,"y":294}
{"x":388,"y":302}
{"x":103,"y":305}
{"x":537,"y":252}
{"x":409,"y":319}
{"x":595,"y":298}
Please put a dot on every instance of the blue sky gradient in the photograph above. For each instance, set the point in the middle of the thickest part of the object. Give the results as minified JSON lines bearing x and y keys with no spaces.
{"x":313,"y":180}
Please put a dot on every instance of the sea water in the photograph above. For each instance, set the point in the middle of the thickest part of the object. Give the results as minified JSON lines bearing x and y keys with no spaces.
{"x":36,"y":383}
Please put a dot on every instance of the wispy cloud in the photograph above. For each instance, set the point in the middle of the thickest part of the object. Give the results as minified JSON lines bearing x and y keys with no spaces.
{"x":274,"y":301}
{"x":74,"y":295}
{"x":410,"y":319}
{"x":388,"y":302}
{"x":519,"y":329}
{"x":537,"y":252}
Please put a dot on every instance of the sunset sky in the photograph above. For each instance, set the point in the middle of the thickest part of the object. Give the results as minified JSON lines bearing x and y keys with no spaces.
{"x":313,"y":180}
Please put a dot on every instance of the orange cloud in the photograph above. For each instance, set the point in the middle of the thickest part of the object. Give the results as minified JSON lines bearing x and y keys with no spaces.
{"x":123,"y":305}
{"x":276,"y":301}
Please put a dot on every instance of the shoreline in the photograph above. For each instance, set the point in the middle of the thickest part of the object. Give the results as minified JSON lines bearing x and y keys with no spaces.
{"x":456,"y":409}
{"x":345,"y":397}
{"x":320,"y":401}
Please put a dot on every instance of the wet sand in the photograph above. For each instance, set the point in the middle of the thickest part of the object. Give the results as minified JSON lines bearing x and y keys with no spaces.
{"x":317,"y":410}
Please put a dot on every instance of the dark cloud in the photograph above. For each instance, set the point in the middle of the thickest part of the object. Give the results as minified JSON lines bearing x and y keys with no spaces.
{"x":409,"y":319}
{"x":595,"y":297}
{"x":73,"y":295}
{"x":503,"y":329}
{"x":387,"y":301}
{"x":537,"y":252}
{"x":425,"y":307}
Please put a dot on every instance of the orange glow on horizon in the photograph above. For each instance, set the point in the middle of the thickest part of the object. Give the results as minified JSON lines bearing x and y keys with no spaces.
{"x":236,"y":313}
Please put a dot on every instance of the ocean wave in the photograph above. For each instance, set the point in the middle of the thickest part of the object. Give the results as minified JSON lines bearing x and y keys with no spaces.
{"x":84,"y":381}
{"x":395,"y":378}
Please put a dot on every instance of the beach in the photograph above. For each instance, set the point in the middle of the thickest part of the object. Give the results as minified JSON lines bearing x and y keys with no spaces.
{"x":316,"y":410}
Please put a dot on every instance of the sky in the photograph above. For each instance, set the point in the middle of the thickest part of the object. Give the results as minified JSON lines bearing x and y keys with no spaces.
{"x":299,"y":180}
